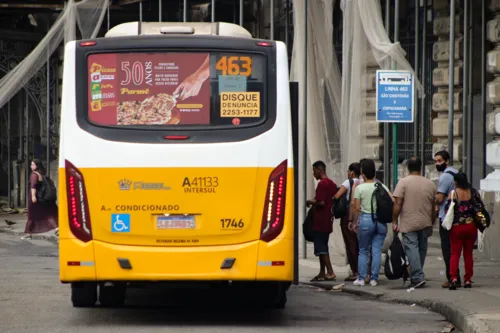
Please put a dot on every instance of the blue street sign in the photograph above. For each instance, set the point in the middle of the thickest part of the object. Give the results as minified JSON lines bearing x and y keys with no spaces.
{"x":395,"y":96}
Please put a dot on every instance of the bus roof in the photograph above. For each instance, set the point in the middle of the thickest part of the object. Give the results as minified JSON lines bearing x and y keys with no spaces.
{"x":179,"y":28}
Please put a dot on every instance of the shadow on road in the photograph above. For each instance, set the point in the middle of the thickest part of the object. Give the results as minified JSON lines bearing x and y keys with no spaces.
{"x":202,"y":306}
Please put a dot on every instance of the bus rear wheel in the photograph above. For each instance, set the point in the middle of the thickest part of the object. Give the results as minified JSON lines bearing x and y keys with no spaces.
{"x":280,"y":301}
{"x":83,"y":294}
{"x":271,"y":294}
{"x":112,"y":295}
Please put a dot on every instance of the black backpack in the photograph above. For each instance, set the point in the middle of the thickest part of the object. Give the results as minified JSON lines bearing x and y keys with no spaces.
{"x":47,"y":191}
{"x":341,"y":206}
{"x":384,"y":205}
{"x":307,"y":226}
{"x":396,"y":263}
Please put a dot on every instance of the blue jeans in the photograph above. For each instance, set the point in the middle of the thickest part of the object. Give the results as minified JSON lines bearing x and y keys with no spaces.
{"x":370,"y":234}
{"x":321,"y":243}
{"x":415,"y":246}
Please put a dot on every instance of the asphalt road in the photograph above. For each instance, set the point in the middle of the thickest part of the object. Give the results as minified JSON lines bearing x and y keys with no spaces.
{"x":33,"y":300}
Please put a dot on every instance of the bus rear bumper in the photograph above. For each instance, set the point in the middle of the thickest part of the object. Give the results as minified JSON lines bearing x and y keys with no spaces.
{"x":100,"y":262}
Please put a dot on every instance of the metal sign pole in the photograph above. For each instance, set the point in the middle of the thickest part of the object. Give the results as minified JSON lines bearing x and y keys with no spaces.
{"x":108,"y":16}
{"x":271,"y":17}
{"x":241,"y":12}
{"x":423,"y":102}
{"x":387,"y":133}
{"x":451,"y":84}
{"x":27,"y":161}
{"x":184,"y":16}
{"x":160,"y":10}
{"x":304,"y":128}
{"x":394,"y":125}
{"x":9,"y":163}
{"x":213,"y":10}
{"x":417,"y":53}
{"x":47,"y":124}
{"x":140,"y":18}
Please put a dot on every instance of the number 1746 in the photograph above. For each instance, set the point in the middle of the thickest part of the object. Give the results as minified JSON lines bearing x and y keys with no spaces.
{"x":232,"y":224}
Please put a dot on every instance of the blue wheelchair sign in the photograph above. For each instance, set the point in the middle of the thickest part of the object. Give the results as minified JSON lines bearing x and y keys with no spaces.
{"x":120,"y":222}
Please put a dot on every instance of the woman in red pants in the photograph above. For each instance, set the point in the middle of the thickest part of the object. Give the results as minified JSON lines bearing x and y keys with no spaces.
{"x":463,"y":233}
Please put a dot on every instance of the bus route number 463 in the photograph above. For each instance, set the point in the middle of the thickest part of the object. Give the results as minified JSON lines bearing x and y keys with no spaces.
{"x":234,"y":65}
{"x":232,"y":223}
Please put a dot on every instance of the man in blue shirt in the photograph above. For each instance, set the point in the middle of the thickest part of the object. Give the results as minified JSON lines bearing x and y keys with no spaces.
{"x":446,"y":184}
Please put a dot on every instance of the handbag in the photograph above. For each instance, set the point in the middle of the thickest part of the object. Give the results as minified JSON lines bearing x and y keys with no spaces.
{"x":480,"y":240}
{"x":482,"y":218}
{"x":341,"y":206}
{"x":307,"y":226}
{"x":450,"y":215}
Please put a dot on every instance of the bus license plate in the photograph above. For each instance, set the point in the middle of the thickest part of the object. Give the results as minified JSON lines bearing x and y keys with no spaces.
{"x":175,"y":222}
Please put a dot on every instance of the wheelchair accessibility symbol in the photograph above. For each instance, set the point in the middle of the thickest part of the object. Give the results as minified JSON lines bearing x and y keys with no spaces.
{"x":120,"y":222}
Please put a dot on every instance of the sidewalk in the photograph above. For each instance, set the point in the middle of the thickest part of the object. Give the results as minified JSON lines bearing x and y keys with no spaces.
{"x":472,"y":311}
{"x":19,"y":219}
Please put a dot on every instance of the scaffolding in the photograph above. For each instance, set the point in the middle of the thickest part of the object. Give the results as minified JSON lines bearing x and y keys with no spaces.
{"x":29,"y":102}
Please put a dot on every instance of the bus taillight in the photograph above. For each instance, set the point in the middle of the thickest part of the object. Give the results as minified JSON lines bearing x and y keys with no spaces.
{"x":274,"y":208}
{"x":78,"y":207}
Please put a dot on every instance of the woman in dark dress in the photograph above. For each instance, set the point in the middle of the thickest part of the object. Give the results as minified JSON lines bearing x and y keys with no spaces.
{"x":42,"y":216}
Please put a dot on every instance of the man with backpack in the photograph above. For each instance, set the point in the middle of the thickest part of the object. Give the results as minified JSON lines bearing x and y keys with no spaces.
{"x":446,"y":184}
{"x":414,"y":205}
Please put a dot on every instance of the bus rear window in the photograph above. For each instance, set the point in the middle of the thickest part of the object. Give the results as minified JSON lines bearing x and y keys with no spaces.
{"x":176,"y":89}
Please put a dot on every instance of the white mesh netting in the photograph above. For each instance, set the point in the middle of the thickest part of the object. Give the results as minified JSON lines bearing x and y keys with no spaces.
{"x":87,"y":15}
{"x":338,"y":116}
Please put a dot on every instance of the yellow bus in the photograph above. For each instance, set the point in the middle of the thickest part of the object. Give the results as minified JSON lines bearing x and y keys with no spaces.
{"x":176,"y":162}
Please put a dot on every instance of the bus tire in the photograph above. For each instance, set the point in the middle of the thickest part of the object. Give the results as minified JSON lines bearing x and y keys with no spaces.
{"x":83,"y":294}
{"x":281,"y":298}
{"x":112,"y":296}
{"x":271,"y":295}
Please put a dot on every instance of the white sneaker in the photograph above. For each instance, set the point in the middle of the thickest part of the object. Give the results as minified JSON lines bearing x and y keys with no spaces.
{"x":359,"y":282}
{"x":373,"y":283}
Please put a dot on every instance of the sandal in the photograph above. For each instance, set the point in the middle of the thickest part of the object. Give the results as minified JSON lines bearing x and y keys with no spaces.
{"x":351,"y":278}
{"x":317,"y":279}
{"x":330,"y":278}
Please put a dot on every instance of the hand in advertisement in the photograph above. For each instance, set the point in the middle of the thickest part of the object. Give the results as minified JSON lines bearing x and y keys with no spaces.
{"x":191,"y":86}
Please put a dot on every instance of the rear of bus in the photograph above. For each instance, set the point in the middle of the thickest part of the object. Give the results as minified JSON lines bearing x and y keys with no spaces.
{"x":176,"y":163}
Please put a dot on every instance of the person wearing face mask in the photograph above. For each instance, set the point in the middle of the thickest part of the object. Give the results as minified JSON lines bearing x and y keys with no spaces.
{"x":446,"y":184}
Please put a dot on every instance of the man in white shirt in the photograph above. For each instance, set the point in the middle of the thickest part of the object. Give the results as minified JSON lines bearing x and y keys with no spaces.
{"x":350,"y":237}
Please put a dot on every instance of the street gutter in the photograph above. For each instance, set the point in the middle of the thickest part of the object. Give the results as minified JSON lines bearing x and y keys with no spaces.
{"x":462,"y":319}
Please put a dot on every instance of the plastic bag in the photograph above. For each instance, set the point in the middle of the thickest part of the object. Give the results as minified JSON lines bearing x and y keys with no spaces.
{"x":448,"y":220}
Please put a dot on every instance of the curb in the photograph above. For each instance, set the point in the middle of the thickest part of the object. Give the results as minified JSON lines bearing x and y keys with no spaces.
{"x":49,"y":238}
{"x":464,"y":320}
